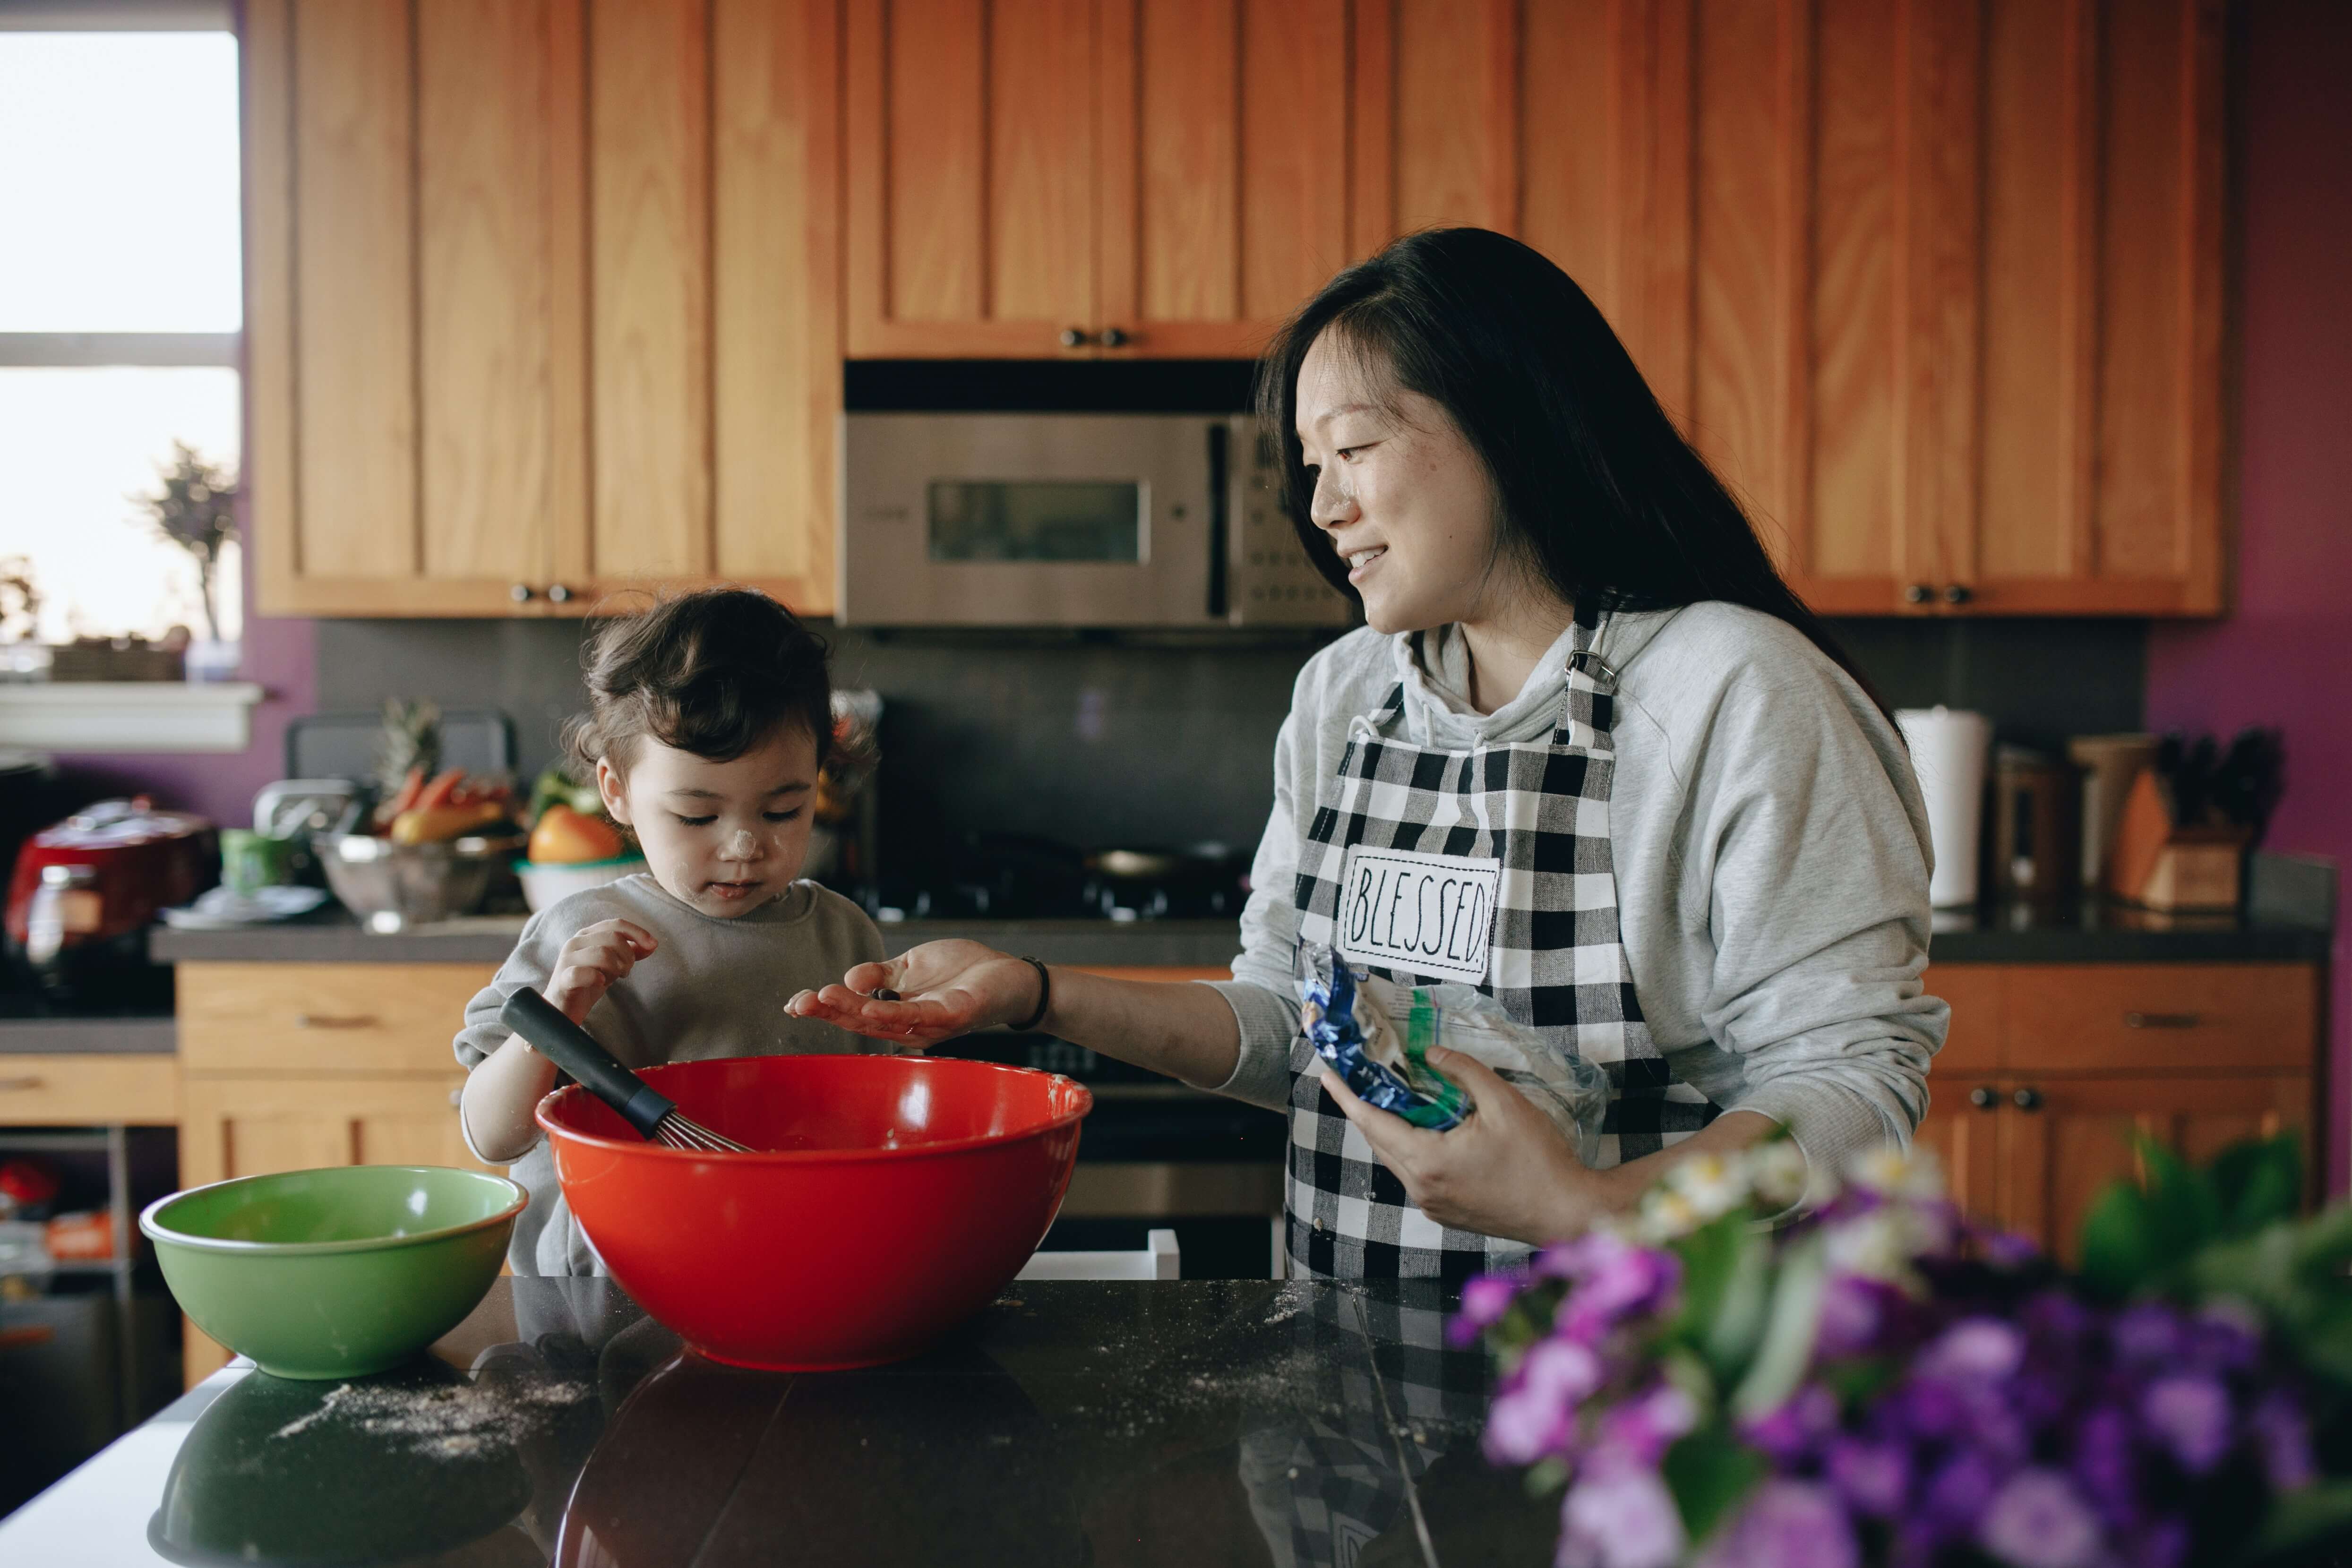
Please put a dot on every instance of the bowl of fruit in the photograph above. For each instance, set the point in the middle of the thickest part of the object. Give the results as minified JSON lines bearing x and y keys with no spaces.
{"x":438,"y":846}
{"x":573,"y":845}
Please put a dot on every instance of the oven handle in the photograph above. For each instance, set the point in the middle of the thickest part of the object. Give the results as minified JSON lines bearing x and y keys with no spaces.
{"x":1220,"y":504}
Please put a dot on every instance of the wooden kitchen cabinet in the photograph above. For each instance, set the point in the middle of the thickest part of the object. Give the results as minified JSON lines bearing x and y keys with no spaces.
{"x":540,"y":301}
{"x":2055,"y":1071}
{"x":288,"y":1066}
{"x":1122,"y":178}
{"x":1935,"y":284}
{"x":83,"y":1089}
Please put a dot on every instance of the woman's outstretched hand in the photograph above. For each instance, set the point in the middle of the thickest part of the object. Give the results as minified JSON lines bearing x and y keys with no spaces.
{"x":1504,"y":1171}
{"x":944,"y":989}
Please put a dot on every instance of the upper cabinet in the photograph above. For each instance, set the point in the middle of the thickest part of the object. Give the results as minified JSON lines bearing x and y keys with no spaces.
{"x":1935,"y":284}
{"x":1124,"y":178}
{"x":550,"y":298}
{"x":540,"y":301}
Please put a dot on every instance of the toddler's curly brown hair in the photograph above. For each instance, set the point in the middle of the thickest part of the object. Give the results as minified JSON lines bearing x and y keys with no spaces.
{"x":715,"y":673}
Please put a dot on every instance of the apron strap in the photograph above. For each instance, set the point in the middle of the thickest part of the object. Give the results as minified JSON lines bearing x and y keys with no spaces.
{"x":1589,"y":702}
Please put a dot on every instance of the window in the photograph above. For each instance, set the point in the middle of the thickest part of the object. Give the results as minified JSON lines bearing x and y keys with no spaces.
{"x":121,"y":304}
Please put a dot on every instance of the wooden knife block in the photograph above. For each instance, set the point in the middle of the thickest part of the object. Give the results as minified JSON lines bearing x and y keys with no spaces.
{"x":2161,"y":865}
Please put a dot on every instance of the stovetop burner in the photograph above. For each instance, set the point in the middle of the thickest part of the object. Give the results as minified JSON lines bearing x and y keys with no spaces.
{"x":1003,"y":876}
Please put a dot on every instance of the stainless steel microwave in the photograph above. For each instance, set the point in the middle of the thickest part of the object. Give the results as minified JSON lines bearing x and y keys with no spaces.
{"x":1068,"y":519}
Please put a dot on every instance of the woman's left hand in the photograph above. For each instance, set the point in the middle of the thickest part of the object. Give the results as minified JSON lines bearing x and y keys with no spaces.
{"x":1504,"y":1171}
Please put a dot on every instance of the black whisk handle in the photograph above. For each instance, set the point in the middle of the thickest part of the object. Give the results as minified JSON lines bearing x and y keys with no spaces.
{"x":575,"y":1051}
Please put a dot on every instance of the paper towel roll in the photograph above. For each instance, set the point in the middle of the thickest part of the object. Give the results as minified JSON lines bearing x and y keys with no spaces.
{"x":1948,"y":752}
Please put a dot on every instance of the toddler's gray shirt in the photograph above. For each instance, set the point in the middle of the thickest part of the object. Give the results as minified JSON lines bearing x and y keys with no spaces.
{"x":713,"y":988}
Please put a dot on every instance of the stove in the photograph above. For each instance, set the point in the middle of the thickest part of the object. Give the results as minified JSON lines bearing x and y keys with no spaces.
{"x":1008,"y":877}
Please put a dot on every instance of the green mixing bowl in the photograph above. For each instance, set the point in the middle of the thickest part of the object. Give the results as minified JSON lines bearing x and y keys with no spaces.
{"x":337,"y":1272}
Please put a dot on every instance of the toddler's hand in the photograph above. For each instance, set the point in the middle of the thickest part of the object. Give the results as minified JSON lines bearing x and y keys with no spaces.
{"x":591,"y":961}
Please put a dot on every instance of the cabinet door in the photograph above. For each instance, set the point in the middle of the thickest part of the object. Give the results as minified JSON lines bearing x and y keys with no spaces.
{"x":502,"y":265}
{"x":234,"y":1126}
{"x":972,"y":197}
{"x":2063,"y":1141}
{"x":1225,"y":196}
{"x":1962,"y":1130}
{"x":248,"y":1125}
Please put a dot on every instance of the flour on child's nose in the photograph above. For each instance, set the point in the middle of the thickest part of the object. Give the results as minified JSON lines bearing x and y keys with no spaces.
{"x":744,"y":845}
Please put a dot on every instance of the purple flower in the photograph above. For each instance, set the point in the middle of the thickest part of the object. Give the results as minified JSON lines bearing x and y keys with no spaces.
{"x":1536,"y":1412}
{"x":1792,"y":1430}
{"x":2038,"y":1520}
{"x":2223,"y":1340}
{"x":1484,"y":1299}
{"x":2189,"y":1415}
{"x":1974,"y":1349}
{"x":2147,"y":1336}
{"x":1619,"y":1516}
{"x":1787,"y":1524}
{"x":1616,"y":1280}
{"x":2103,"y":1463}
{"x":1640,"y":1430}
{"x":2008,"y":1250}
{"x":2283,"y":1437}
{"x":1926,"y":1408}
{"x":1872,"y":1478}
{"x":1955,"y":1496}
{"x":1854,"y":1312}
{"x":2163,"y":1543}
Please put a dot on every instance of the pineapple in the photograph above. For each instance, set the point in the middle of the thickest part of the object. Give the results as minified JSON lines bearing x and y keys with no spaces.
{"x":411,"y":741}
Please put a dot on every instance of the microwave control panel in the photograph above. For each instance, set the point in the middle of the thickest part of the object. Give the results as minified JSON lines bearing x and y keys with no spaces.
{"x":1269,"y":581}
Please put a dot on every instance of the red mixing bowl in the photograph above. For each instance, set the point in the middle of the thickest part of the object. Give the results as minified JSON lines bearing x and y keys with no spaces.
{"x":902,"y":1195}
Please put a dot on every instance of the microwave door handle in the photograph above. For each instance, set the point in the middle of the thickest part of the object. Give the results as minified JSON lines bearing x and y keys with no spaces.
{"x":1220,"y":504}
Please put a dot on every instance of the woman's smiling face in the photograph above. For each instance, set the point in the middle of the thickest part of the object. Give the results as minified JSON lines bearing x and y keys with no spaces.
{"x":723,"y":838}
{"x":1399,"y":492}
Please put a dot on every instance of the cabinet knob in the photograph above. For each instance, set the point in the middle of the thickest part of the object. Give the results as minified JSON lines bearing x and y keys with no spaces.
{"x":2027,"y":1098}
{"x":334,"y":1020}
{"x":1958,"y":594}
{"x":520,"y":593}
{"x":1983,"y":1098}
{"x":558,"y":594}
{"x":1918,"y":594}
{"x":2162,"y":1020}
{"x":26,"y":1084}
{"x":1112,"y":338}
{"x":1073,"y":336}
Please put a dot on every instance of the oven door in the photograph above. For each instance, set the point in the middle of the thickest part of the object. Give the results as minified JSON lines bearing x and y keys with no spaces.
{"x":1027,"y":520}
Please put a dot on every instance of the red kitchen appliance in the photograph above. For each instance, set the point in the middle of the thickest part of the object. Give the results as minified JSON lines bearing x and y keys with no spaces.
{"x":85,"y":891}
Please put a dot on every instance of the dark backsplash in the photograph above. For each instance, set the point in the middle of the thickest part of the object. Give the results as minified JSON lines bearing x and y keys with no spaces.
{"x":1160,"y":741}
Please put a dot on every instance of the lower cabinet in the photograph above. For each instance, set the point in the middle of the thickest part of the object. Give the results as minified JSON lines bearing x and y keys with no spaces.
{"x":2033,"y":1153}
{"x":290,"y":1066}
{"x":2053,"y":1072}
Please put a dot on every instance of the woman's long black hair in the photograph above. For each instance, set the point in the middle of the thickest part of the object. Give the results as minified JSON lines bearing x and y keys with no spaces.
{"x":1599,"y":491}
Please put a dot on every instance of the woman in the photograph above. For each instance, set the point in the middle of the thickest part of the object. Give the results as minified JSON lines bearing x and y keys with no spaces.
{"x":1583,"y":689}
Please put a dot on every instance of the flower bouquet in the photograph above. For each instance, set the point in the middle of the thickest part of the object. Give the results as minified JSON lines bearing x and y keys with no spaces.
{"x":1884,"y":1380}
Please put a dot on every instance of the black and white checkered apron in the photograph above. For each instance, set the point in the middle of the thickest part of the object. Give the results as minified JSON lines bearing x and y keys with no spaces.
{"x":1557,"y":961}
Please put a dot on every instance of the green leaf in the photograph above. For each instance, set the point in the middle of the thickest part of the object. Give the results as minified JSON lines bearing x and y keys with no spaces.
{"x":1730,"y":1339}
{"x":1787,"y":1347}
{"x":2183,"y":1205}
{"x":1546,"y":1475}
{"x":1857,"y":1382}
{"x":1708,"y":1255}
{"x":2303,"y":1519}
{"x":1709,"y":1472}
{"x":2259,"y":1182}
{"x":2119,"y":1242}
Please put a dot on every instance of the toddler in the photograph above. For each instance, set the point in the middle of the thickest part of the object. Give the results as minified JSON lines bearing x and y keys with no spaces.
{"x":708,"y":718}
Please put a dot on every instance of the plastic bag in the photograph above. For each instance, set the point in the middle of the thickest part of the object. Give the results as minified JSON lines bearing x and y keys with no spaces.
{"x":1377,"y":1036}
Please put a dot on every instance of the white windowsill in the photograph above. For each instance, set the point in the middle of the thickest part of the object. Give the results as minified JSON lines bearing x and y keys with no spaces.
{"x":128,"y":715}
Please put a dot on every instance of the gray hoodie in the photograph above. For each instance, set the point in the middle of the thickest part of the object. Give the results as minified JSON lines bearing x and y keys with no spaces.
{"x":1771,"y":859}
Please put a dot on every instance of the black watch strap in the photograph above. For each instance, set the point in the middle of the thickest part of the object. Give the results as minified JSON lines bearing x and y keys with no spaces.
{"x":1044,"y":997}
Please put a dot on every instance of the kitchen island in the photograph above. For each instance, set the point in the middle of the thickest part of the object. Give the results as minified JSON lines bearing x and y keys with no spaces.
{"x":1178,"y":1422}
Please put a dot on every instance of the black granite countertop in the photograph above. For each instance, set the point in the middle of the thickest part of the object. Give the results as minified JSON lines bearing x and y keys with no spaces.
{"x":2093,"y":932}
{"x":64,"y":1036}
{"x":2085,"y":933}
{"x":332,"y":937}
{"x":1176,"y":1422}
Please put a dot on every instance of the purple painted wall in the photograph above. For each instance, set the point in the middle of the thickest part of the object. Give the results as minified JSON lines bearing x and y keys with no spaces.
{"x":280,"y":655}
{"x":2284,"y":656}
